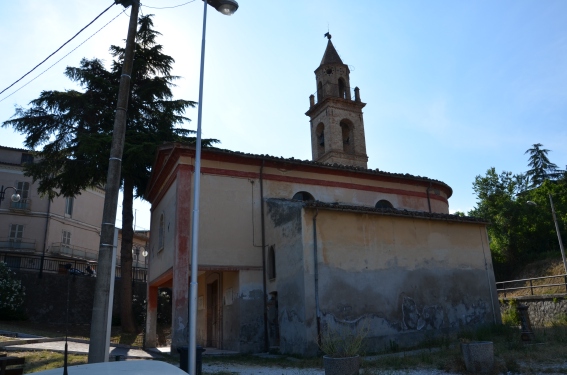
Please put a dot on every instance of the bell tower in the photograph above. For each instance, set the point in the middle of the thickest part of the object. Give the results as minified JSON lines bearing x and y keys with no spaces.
{"x":337,"y":127}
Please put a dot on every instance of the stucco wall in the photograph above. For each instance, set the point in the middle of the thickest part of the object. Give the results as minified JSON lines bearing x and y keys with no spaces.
{"x":285,"y":231}
{"x":162,"y":260}
{"x":399,"y":277}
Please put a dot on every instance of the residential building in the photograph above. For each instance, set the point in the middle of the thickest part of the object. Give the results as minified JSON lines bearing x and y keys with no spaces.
{"x":35,"y":225}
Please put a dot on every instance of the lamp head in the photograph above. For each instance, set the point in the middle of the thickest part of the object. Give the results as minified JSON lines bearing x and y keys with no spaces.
{"x":531,"y":203}
{"x":145,"y":253}
{"x":15,"y":197}
{"x":226,"y":7}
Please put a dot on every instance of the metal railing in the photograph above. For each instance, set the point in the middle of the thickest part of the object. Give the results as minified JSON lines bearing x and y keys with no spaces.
{"x":534,"y":283}
{"x":21,"y":205}
{"x":51,"y":264}
{"x":73,"y":251}
{"x":17,"y":244}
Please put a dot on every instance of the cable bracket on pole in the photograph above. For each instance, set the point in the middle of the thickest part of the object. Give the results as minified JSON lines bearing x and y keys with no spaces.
{"x":113,"y":158}
{"x":107,"y":245}
{"x":121,"y":108}
{"x":125,"y":75}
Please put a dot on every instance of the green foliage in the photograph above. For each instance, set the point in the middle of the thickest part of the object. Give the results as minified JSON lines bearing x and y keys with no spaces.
{"x":73,"y":129}
{"x":343,"y":342}
{"x":11,"y":295}
{"x":520,"y":232}
{"x":511,"y":317}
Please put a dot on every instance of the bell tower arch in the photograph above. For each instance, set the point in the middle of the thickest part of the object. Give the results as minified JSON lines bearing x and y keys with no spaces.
{"x":337,"y":126}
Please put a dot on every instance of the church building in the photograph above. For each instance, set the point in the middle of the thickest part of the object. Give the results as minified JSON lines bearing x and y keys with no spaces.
{"x":290,"y":248}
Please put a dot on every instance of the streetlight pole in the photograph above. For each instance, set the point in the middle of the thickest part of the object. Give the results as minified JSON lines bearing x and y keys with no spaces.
{"x":531,"y":203}
{"x":558,"y":233}
{"x":226,"y":7}
{"x":14,"y":198}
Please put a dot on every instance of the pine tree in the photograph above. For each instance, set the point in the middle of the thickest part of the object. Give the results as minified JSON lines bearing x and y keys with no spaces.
{"x":541,"y":168}
{"x":71,"y":132}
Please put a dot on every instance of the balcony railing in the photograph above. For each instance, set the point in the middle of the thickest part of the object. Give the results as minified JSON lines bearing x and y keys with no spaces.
{"x":73,"y":251}
{"x":22,"y":205}
{"x":17,"y":244}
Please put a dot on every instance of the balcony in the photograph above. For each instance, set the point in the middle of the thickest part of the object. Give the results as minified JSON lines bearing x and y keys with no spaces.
{"x":22,"y":245}
{"x":24,"y":205}
{"x":72,"y":251}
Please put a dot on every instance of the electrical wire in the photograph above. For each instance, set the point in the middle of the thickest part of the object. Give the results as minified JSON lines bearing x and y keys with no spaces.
{"x":64,"y":44}
{"x":175,"y":6}
{"x":55,"y":63}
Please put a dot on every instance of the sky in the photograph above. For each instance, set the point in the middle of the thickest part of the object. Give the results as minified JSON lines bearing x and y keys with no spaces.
{"x":452,"y":88}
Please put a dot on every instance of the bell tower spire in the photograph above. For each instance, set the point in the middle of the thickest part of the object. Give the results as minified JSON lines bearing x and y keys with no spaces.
{"x":337,"y":127}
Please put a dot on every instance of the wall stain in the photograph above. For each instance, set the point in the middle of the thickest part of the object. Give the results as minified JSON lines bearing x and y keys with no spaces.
{"x":284,"y":212}
{"x":429,"y":316}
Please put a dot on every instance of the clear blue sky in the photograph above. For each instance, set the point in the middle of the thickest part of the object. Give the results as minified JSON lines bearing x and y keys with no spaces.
{"x":452,"y":87}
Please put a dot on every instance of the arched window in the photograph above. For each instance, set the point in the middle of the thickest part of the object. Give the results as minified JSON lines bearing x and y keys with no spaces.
{"x":319,"y":92}
{"x":303,"y":196}
{"x":382,"y":203}
{"x":161,"y":233}
{"x":271,"y":263}
{"x":342,"y":89}
{"x":348,"y":136}
{"x":320,"y":134}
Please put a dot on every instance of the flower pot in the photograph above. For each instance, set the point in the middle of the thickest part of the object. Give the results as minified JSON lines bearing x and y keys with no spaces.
{"x":478,"y":356}
{"x":341,"y":366}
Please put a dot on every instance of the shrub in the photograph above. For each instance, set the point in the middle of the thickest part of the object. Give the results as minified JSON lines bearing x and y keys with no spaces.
{"x":11,"y":295}
{"x":511,"y":317}
{"x":344,"y":342}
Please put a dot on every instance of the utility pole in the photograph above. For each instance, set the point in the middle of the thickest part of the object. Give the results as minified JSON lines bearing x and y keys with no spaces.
{"x":102,"y":304}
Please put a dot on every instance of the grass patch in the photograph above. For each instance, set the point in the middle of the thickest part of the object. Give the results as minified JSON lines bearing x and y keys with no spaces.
{"x":44,"y":360}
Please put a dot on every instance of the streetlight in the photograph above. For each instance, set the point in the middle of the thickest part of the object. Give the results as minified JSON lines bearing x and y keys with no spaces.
{"x":136,"y":250}
{"x":556,"y":230}
{"x":15,"y":197}
{"x":226,"y":7}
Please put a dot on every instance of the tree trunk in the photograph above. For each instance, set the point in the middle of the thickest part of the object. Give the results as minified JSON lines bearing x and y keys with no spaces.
{"x":126,"y":315}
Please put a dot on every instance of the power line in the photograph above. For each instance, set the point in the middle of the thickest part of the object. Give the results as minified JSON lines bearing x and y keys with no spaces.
{"x":74,"y":36}
{"x":55,"y":63}
{"x":175,"y":6}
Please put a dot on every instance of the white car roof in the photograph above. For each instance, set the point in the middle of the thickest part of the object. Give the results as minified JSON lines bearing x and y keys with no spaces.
{"x":137,"y":367}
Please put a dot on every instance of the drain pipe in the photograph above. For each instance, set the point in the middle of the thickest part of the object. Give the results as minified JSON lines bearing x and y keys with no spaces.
{"x":428,"y":198}
{"x":266,"y":342}
{"x":316,"y":271}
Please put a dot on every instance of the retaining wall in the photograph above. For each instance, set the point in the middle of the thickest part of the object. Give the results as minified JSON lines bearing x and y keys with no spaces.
{"x":543,"y":310}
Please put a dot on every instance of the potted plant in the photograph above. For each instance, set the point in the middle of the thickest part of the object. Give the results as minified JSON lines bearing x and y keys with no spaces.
{"x":342,"y":350}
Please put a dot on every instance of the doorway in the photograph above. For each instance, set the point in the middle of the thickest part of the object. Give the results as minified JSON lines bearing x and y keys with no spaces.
{"x":213,"y":312}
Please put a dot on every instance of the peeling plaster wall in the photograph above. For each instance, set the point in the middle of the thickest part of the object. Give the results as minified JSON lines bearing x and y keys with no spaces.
{"x":402,"y":277}
{"x":284,"y":229}
{"x":251,"y":306}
